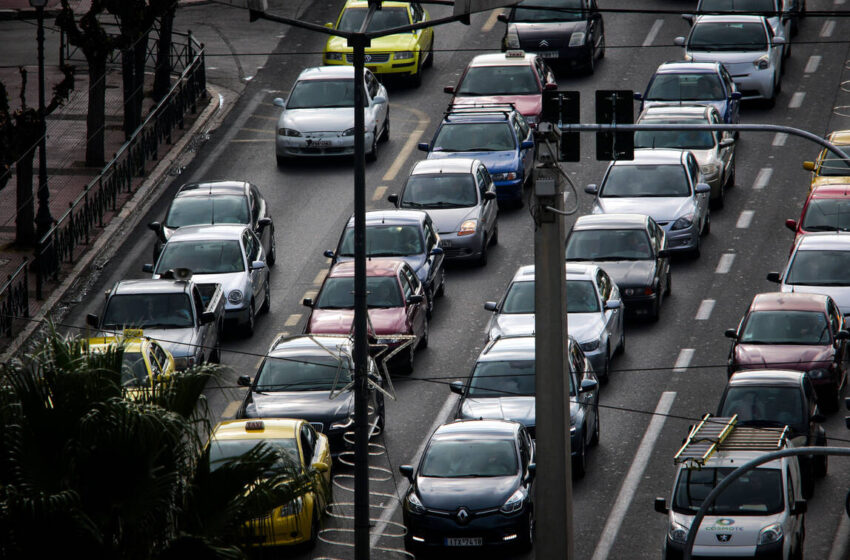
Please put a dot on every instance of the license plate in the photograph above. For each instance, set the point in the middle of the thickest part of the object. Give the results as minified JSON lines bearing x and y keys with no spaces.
{"x":444,"y":243}
{"x":547,"y":54}
{"x":319,"y":143}
{"x":464,"y":541}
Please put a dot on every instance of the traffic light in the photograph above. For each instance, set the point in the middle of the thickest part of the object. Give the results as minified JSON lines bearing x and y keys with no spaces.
{"x":615,"y":107}
{"x":563,"y":107}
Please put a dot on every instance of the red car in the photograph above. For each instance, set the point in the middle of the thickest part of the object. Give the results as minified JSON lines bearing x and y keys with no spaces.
{"x":794,"y":331}
{"x":826,"y":209}
{"x":397,"y":308}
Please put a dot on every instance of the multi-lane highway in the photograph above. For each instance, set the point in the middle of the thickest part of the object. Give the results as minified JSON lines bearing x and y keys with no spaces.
{"x":675,"y":367}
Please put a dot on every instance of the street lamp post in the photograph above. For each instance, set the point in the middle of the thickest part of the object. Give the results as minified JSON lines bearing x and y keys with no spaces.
{"x":43,"y":219}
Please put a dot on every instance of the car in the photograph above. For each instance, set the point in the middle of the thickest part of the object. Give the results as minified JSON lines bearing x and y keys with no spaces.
{"x":398,"y":309}
{"x":318,"y":116}
{"x":514,"y":77}
{"x":747,"y":48}
{"x":594,"y":312}
{"x":311,"y":377}
{"x":231,"y":255}
{"x":779,"y":398}
{"x":409,"y":235}
{"x":794,"y":331}
{"x":401,"y":54}
{"x":664,"y":184}
{"x":827,"y":208}
{"x":693,"y":83}
{"x":502,"y":386}
{"x":473,"y":487}
{"x":460,"y":197}
{"x":296,"y":522}
{"x":498,"y":135}
{"x":818,"y":265}
{"x":714,"y":150}
{"x":632,"y":250}
{"x":569,"y":33}
{"x":827,"y":169}
{"x":144,"y":361}
{"x":218,"y":202}
{"x":777,"y":13}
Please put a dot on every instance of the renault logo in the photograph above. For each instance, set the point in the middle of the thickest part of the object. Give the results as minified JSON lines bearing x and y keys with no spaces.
{"x":544,"y":43}
{"x":463,"y":516}
{"x":724,"y":537}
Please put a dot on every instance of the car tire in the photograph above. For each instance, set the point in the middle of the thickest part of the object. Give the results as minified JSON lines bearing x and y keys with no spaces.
{"x":669,"y":289}
{"x":416,"y":79}
{"x":594,"y":439}
{"x":730,"y":179}
{"x":807,"y":474}
{"x":720,"y":200}
{"x":831,"y":401}
{"x":429,"y":309}
{"x":821,"y":465}
{"x":281,"y":161}
{"x":429,"y":62}
{"x":267,"y":300}
{"x":385,"y":135}
{"x":405,"y":362}
{"x":250,"y":324}
{"x":602,"y":45}
{"x":482,"y":260}
{"x":215,"y":355}
{"x":423,"y":340}
{"x":526,"y":541}
{"x":272,"y":256}
{"x":580,"y":460}
{"x":706,"y":226}
{"x":622,"y":348}
{"x":314,"y":527}
{"x":591,"y":63}
{"x":603,"y":375}
{"x":655,"y":312}
{"x":494,"y":239}
{"x":373,"y":153}
{"x":441,"y":291}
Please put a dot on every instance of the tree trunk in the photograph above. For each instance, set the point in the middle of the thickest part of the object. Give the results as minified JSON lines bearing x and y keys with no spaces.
{"x":162,"y":77}
{"x":96,"y":118}
{"x":25,"y":216}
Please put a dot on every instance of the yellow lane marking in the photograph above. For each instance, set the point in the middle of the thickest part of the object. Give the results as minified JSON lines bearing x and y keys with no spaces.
{"x":379,"y":193}
{"x":491,"y":21}
{"x":310,"y":294}
{"x":409,"y":146}
{"x":293,"y":319}
{"x":230,"y":411}
{"x":254,"y":140}
{"x":262,"y":130}
{"x":320,"y":277}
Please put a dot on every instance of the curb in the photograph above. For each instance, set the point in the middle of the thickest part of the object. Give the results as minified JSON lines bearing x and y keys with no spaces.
{"x":221,"y":102}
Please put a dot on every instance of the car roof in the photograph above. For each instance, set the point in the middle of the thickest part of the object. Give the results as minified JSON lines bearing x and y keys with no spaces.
{"x":326,"y":73}
{"x":502,"y":59}
{"x":212,"y":188}
{"x":478,"y":429}
{"x":766,"y":377}
{"x":797,"y":301}
{"x":445,"y":165}
{"x":310,"y":344}
{"x":365,"y":3}
{"x":676,"y":111}
{"x":574,"y":271}
{"x":729,"y":18}
{"x":839,"y":137}
{"x":823,"y":240}
{"x":680,"y":67}
{"x":392,"y":218}
{"x":832,"y":190}
{"x":374,"y":267}
{"x":278,"y":428}
{"x":508,"y":348}
{"x":207,"y":232}
{"x":150,"y":286}
{"x":646,"y":156}
{"x":611,"y":221}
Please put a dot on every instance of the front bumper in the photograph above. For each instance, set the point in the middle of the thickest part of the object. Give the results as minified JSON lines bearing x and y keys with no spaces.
{"x":772,"y":551}
{"x":598,"y":358}
{"x":299,"y":146}
{"x":380,"y":63}
{"x":638,"y":302}
{"x":494,"y":528}
{"x":462,"y":248}
{"x":236,"y":315}
{"x":569,"y":57}
{"x":757,"y":84}
{"x":277,"y":530}
{"x":509,"y":190}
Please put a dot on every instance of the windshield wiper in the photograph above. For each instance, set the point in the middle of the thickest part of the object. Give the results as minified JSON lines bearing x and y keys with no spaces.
{"x":411,"y":203}
{"x":385,"y":254}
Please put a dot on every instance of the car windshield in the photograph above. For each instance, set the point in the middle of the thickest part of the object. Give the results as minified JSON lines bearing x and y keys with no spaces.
{"x":746,"y":6}
{"x":581,"y":297}
{"x":548,"y":10}
{"x":444,"y":190}
{"x":759,"y":492}
{"x":385,"y":241}
{"x":474,"y":137}
{"x":785,"y":327}
{"x":499,"y":80}
{"x":765,"y":406}
{"x":819,"y":268}
{"x":685,"y":87}
{"x":629,"y":181}
{"x":134,"y":371}
{"x":223,"y":451}
{"x":452,"y":458}
{"x":608,"y":245}
{"x":831,"y":166}
{"x":148,"y":311}
{"x":200,"y":210}
{"x":385,"y":18}
{"x":338,"y":293}
{"x":202,"y":257}
{"x":728,"y":36}
{"x":303,"y":373}
{"x":827,"y":214}
{"x":510,"y":378}
{"x":679,"y":139}
{"x":322,"y":94}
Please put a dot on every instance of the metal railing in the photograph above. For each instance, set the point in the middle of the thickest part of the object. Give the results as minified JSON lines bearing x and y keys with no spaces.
{"x":14,"y":298}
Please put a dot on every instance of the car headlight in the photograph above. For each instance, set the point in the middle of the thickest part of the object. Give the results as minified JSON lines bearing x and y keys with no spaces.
{"x":515,"y":502}
{"x":467,"y":227}
{"x":413,"y":504}
{"x":343,"y":424}
{"x":235,"y":297}
{"x":577,"y":39}
{"x":684,"y":222}
{"x":770,"y":534}
{"x":347,"y":132}
{"x":709,"y":169}
{"x":288,"y":132}
{"x":512,"y":40}
{"x":333,"y":56}
{"x":292,"y":508}
{"x":402,"y":55}
{"x":510,"y":176}
{"x":590,"y":346}
{"x":629,"y":291}
{"x":678,"y":533}
{"x":762,"y":63}
{"x":819,"y":373}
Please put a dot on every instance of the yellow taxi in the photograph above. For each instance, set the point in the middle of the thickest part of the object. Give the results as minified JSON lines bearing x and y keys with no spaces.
{"x":144,"y":362}
{"x":403,"y":54}
{"x":828,"y":169}
{"x":297,"y":521}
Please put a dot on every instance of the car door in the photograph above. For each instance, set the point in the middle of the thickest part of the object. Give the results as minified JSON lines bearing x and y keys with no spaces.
{"x":731,"y":115}
{"x":488,"y":206}
{"x":612,"y":317}
{"x":836,"y":323}
{"x":701,"y":199}
{"x":415,"y":312}
{"x":434,"y":262}
{"x":254,"y":252}
{"x":523,"y":133}
{"x":258,"y":212}
{"x":424,"y":37}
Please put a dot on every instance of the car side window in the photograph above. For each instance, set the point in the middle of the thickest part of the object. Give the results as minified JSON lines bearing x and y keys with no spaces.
{"x":524,"y":452}
{"x":693,"y":169}
{"x":834,"y":317}
{"x":727,"y":78}
{"x":252,"y":246}
{"x":481,"y":180}
{"x":256,"y":203}
{"x":199,"y":301}
{"x":577,"y":361}
{"x":405,"y":284}
{"x":412,"y":278}
{"x":653,"y":238}
{"x":160,"y":354}
{"x":430,"y":236}
{"x":523,"y":129}
{"x":372,"y":84}
{"x":308,"y":442}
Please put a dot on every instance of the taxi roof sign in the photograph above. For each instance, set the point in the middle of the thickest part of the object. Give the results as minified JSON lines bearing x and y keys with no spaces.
{"x":133,"y":333}
{"x":515,"y":53}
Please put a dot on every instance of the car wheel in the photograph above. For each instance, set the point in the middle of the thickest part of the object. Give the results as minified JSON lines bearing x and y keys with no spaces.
{"x":405,"y":361}
{"x":777,"y":88}
{"x":249,"y":324}
{"x":602,"y":45}
{"x":215,"y":355}
{"x":373,"y":153}
{"x":594,"y":440}
{"x":416,"y":79}
{"x":730,"y":179}
{"x":655,"y":311}
{"x":831,"y":400}
{"x":385,"y":135}
{"x":423,"y":339}
{"x":526,"y":542}
{"x":281,"y":161}
{"x":494,"y":239}
{"x":441,"y":291}
{"x":580,"y":460}
{"x":622,"y":348}
{"x":669,"y":289}
{"x":267,"y":300}
{"x":808,"y":475}
{"x":482,"y":260}
{"x":591,"y":62}
{"x":603,"y":375}
{"x":429,"y":62}
{"x":272,"y":256}
{"x":719,"y":201}
{"x":429,"y":309}
{"x":314,"y":527}
{"x":770,"y":102}
{"x":821,"y":465}
{"x":382,"y":412}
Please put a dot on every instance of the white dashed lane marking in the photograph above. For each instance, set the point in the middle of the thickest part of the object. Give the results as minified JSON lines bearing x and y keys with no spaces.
{"x":745,"y":219}
{"x":812,"y":64}
{"x":705,"y":309}
{"x":763,"y":178}
{"x":684,"y":360}
{"x":379,"y":193}
{"x":653,"y":32}
{"x":797,"y":100}
{"x":724,"y":265}
{"x":293,"y":319}
{"x":779,"y":139}
{"x":827,"y":29}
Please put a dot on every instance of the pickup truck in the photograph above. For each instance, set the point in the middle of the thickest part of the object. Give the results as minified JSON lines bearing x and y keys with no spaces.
{"x":187,"y":318}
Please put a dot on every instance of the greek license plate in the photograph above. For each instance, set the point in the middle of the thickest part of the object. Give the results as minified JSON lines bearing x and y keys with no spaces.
{"x":320,"y":144}
{"x":547,"y":54}
{"x":464,"y":541}
{"x":444,"y":243}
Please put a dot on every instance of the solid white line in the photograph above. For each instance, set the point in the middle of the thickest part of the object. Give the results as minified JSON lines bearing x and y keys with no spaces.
{"x":724,"y":265}
{"x":797,"y":99}
{"x":827,"y":29}
{"x":441,"y":419}
{"x":684,"y":360}
{"x":745,"y":219}
{"x":812,"y":64}
{"x":634,"y":477}
{"x":653,"y":32}
{"x":779,"y":139}
{"x":762,"y":178}
{"x":839,"y":543}
{"x":705,"y":309}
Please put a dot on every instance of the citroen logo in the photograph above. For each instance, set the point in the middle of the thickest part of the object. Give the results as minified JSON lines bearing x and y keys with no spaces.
{"x":463,"y":516}
{"x":544,"y":43}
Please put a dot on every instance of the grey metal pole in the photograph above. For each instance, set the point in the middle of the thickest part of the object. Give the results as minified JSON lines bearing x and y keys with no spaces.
{"x":43,"y":219}
{"x":553,"y":507}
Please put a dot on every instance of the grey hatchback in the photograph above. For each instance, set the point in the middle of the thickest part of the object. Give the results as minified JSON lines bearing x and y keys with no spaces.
{"x":460,"y":197}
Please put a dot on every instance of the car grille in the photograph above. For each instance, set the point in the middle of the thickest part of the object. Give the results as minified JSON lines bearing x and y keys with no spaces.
{"x":371,"y":58}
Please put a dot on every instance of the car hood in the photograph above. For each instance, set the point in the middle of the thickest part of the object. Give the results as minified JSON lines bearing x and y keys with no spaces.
{"x":661,"y":209}
{"x":180,"y":342}
{"x":841,"y":294}
{"x":518,"y":409}
{"x":495,"y":162}
{"x":474,"y":493}
{"x":448,"y":220}
{"x":556,"y":34}
{"x":629,"y":274}
{"x":527,"y":105}
{"x":313,"y":406}
{"x":783,"y":356}
{"x":582,"y":326}
{"x":328,"y":119}
{"x":338,"y":321}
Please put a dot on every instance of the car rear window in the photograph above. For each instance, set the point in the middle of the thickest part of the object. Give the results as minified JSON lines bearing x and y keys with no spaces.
{"x":470,"y":457}
{"x":195,"y":210}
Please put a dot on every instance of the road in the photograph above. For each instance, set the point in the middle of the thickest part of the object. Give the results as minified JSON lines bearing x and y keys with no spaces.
{"x":676,"y":366}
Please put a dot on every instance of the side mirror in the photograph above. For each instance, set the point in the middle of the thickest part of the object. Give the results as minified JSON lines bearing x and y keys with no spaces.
{"x":414,"y":299}
{"x":663,"y":253}
{"x":329,"y":254}
{"x":207,"y":317}
{"x":423,"y":146}
{"x":449,"y":89}
{"x":532,"y":471}
{"x":279,"y":102}
{"x":436,"y":251}
{"x":731,"y":333}
{"x":791,"y":224}
{"x":155,"y":226}
{"x":661,"y":506}
{"x":489,"y":195}
{"x":147,"y":268}
{"x":491,"y":306}
{"x":307,"y":302}
{"x":550,"y":86}
{"x":773,"y":277}
{"x":393,"y":198}
{"x":379,"y":99}
{"x":847,"y":403}
{"x":777,"y":41}
{"x":588,"y":385}
{"x":243,"y":381}
{"x":92,"y":320}
{"x":679,"y":41}
{"x":502,"y":17}
{"x":726,"y":142}
{"x":456,"y":387}
{"x":406,"y":471}
{"x":526,"y":145}
{"x":321,"y":467}
{"x":702,"y":188}
{"x":264,"y":222}
{"x":809,"y":165}
{"x":638,"y":96}
{"x":329,"y":25}
{"x":799,"y":508}
{"x":689,"y":18}
{"x":842,"y":335}
{"x":591,"y":189}
{"x":613,"y":304}
{"x":736,"y":96}
{"x":258,"y":265}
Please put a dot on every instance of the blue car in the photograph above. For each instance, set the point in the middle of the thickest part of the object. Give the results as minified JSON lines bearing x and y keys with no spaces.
{"x":496,"y":134}
{"x":693,"y":83}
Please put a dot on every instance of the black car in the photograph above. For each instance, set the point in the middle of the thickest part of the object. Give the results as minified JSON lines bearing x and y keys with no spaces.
{"x":568,"y":33}
{"x":474,"y":487}
{"x":311,"y":377}
{"x":218,"y":202}
{"x":632,"y":249}
{"x":501,"y":386}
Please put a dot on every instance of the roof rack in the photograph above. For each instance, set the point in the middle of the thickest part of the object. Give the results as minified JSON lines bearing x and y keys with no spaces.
{"x":478,"y":108}
{"x":722,"y":434}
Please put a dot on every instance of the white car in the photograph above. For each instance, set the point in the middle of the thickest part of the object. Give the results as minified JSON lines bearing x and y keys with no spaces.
{"x":746,"y":46}
{"x":318,"y":116}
